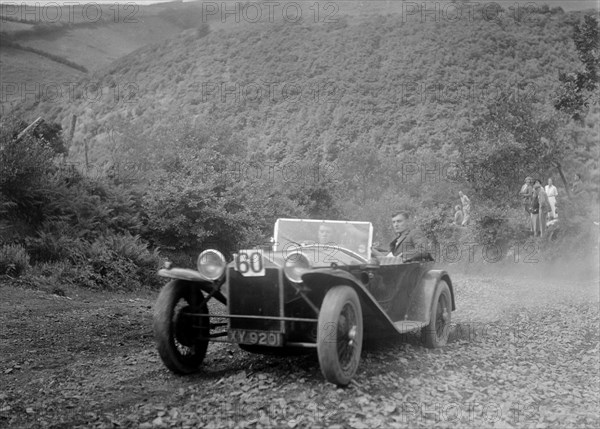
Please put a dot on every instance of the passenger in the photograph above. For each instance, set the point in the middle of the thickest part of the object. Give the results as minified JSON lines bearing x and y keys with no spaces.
{"x":410,"y":242}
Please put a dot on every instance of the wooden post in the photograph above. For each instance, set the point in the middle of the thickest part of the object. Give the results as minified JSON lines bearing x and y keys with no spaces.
{"x":85,"y":148}
{"x":72,"y":132}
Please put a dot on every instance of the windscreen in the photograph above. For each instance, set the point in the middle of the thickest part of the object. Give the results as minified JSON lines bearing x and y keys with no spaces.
{"x":354,"y":236}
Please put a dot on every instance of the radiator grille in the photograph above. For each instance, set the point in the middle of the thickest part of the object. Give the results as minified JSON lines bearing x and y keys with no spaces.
{"x":255,"y":296}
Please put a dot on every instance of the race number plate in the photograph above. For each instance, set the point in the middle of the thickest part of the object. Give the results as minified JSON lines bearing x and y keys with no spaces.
{"x":261,"y":338}
{"x":250,"y":263}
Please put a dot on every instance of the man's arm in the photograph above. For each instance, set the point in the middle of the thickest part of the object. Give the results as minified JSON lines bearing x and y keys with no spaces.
{"x":377,"y":252}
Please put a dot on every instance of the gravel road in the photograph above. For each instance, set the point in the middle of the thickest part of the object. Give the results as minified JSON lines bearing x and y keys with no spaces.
{"x":524,"y":352}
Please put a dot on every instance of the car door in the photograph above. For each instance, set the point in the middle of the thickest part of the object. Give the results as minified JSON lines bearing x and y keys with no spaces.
{"x":393,"y":285}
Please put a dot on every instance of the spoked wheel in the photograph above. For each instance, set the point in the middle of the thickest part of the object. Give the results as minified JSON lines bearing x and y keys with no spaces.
{"x":340,"y":335}
{"x":181,"y":337}
{"x":437,"y":332}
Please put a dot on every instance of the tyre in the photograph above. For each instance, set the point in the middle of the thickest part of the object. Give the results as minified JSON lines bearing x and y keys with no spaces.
{"x":340,"y":335}
{"x":181,"y":338}
{"x":437,"y":332}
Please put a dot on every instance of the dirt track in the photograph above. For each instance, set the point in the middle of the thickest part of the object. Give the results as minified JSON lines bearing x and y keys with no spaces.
{"x":523,"y":353}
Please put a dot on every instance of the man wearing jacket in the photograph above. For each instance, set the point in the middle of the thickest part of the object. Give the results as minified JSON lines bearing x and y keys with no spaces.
{"x":410,"y":242}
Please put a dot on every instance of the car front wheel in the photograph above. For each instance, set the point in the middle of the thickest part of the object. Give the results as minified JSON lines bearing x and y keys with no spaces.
{"x":181,"y":337}
{"x":437,"y":332}
{"x":340,"y":335}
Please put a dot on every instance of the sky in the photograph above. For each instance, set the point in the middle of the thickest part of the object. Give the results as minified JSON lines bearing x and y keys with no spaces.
{"x":565,"y":4}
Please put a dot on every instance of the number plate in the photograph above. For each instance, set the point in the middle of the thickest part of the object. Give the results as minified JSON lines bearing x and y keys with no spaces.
{"x":250,"y":263}
{"x":261,"y":338}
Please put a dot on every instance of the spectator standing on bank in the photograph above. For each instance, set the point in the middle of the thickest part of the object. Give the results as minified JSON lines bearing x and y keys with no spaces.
{"x":458,"y":216}
{"x":543,"y":206}
{"x":466,"y":208}
{"x":552,"y":193}
{"x":526,"y":194}
{"x":577,"y":186}
{"x":534,"y":212}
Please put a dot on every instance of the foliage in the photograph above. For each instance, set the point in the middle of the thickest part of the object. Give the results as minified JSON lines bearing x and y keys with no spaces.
{"x":373,"y":91}
{"x":43,"y":53}
{"x":74,"y":220}
{"x":500,"y":226}
{"x":370,"y":110}
{"x":118,"y":262}
{"x":511,"y":140}
{"x":579,"y":88}
{"x":56,"y":245}
{"x":25,"y":164}
{"x":14,"y":260}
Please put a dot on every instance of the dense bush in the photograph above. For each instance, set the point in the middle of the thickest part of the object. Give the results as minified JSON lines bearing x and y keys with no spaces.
{"x":500,"y":225}
{"x":117,"y":263}
{"x":172,"y":181}
{"x":86,"y":227}
{"x":53,"y":246}
{"x":14,"y":260}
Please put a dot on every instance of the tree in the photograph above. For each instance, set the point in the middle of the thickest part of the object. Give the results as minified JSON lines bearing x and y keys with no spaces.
{"x":578,"y":88}
{"x":25,"y":167}
{"x":512,"y":139}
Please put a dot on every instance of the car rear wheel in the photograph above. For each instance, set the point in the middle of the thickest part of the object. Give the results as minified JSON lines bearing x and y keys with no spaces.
{"x":181,"y":338}
{"x":437,"y":332}
{"x":340,"y":335}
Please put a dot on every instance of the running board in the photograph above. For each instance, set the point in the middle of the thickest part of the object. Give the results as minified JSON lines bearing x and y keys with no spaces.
{"x":409,"y":325}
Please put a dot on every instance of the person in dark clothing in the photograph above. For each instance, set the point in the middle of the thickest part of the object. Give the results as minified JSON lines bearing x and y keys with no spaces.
{"x":410,"y":242}
{"x":526,"y":194}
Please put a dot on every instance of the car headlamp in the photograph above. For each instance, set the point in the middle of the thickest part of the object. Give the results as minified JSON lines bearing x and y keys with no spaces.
{"x":211,"y":264}
{"x":296,"y":264}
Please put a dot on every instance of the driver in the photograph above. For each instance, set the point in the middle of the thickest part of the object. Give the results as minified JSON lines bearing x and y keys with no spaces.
{"x":325,"y":234}
{"x":410,"y":242}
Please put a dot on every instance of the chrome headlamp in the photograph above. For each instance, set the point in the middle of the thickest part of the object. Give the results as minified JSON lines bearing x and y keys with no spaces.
{"x":211,"y":264}
{"x":296,"y":264}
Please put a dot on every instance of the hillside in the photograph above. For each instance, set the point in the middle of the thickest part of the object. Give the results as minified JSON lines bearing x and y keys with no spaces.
{"x":396,"y":84}
{"x":47,"y":45}
{"x":204,"y":139}
{"x":365,"y":96}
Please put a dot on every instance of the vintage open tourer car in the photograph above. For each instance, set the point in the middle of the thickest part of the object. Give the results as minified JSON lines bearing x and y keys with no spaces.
{"x":317,"y":286}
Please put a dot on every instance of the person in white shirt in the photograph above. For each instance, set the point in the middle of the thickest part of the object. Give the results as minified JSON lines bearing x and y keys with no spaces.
{"x":466,"y":208}
{"x":552,"y":193}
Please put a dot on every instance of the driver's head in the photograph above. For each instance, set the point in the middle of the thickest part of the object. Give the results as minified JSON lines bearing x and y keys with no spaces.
{"x":400,"y":222}
{"x":325,"y":234}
